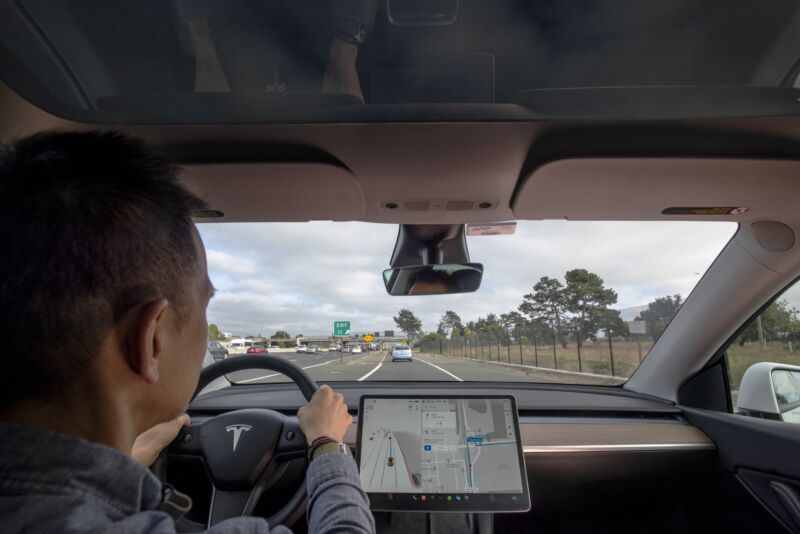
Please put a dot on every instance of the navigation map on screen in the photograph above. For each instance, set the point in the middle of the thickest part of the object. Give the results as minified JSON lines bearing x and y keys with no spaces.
{"x":459,"y":446}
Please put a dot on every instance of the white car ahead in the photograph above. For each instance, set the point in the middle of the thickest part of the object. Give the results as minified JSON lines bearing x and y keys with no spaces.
{"x":401,"y":353}
{"x":356,"y":350}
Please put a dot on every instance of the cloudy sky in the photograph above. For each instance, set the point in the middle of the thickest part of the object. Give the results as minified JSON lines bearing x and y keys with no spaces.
{"x":301,"y":277}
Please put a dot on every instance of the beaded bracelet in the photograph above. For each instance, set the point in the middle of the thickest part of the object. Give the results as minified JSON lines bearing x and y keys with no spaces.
{"x":319,"y":440}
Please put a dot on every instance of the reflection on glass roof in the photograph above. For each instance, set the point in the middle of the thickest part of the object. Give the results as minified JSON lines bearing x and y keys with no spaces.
{"x":294,"y":60}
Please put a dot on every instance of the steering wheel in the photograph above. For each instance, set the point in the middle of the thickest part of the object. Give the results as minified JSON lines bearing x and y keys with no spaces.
{"x":246,"y":451}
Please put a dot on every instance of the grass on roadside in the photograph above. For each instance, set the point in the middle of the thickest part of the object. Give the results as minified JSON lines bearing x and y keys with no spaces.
{"x":596,"y":357}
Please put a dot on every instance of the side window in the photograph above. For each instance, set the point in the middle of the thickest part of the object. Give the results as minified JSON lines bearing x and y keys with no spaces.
{"x":764,"y":362}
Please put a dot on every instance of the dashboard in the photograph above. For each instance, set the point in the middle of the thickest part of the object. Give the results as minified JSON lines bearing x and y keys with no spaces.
{"x":581,"y":445}
{"x":552,"y":418}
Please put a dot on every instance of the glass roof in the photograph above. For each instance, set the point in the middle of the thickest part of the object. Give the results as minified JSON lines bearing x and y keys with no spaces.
{"x":191,"y":61}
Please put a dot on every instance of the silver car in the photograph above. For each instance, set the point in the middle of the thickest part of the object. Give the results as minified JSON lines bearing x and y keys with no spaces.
{"x":218,"y":352}
{"x":401,"y":353}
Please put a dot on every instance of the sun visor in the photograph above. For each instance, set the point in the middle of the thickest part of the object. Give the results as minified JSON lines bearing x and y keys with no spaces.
{"x":276,"y":192}
{"x":641,"y":189}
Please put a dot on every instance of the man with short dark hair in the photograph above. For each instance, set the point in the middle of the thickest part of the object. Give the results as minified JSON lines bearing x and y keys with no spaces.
{"x":103,"y":293}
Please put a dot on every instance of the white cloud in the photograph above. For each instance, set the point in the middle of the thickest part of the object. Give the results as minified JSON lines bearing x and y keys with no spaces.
{"x":304,"y":276}
{"x":223,"y":263}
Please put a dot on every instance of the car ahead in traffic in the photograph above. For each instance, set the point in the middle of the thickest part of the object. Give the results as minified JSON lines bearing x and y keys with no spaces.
{"x":301,"y":349}
{"x":334,"y":348}
{"x":312,"y":349}
{"x":257,"y":349}
{"x":218,"y":352}
{"x":240,"y":345}
{"x":355,"y":349}
{"x":401,"y":353}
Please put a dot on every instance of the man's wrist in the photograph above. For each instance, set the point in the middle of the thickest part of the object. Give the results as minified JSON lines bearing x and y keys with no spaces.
{"x":319,"y":438}
{"x":342,"y":50}
{"x":330,"y":447}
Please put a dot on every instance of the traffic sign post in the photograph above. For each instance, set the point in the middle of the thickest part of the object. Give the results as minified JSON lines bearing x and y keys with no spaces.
{"x":341,"y":329}
{"x":638,"y":328}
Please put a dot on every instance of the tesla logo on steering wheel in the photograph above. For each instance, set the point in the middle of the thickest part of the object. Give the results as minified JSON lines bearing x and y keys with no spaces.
{"x":237,"y":432}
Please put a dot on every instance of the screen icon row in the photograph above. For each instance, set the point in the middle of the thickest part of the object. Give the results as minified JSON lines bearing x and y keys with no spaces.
{"x":450,"y":498}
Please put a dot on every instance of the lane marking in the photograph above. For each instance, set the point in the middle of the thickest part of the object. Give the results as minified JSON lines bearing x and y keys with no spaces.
{"x":370,"y":373}
{"x":256,"y":378}
{"x":318,"y":364}
{"x":276,"y":374}
{"x":439,"y":368}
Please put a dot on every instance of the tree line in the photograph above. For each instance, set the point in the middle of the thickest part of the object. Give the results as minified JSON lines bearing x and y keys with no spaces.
{"x":779,"y":322}
{"x":578,"y":309}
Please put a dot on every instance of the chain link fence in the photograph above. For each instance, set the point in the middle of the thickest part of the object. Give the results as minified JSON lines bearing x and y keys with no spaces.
{"x":617,"y":357}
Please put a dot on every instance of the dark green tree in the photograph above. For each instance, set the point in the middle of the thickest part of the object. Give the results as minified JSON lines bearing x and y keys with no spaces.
{"x":515,"y":323}
{"x":450,"y":324}
{"x":281,"y":334}
{"x":408,"y":323}
{"x":214,"y":333}
{"x":489,"y":328}
{"x":587,"y":299}
{"x":778,"y":322}
{"x":612,"y":325}
{"x":659,"y":313}
{"x":547,"y":306}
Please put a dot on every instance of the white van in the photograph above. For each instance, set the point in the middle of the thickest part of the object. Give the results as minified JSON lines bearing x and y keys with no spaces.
{"x":240,"y":345}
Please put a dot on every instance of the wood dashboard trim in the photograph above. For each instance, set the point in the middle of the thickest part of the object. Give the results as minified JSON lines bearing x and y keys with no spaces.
{"x":543,"y":437}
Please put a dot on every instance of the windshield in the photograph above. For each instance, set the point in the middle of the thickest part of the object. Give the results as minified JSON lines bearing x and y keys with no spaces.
{"x":304,"y":61}
{"x":569,"y":302}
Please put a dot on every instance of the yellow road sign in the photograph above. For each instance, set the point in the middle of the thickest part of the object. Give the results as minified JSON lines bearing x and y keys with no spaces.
{"x":368,"y":338}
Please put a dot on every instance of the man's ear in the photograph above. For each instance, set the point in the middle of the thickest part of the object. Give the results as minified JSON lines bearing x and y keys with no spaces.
{"x":146,"y":339}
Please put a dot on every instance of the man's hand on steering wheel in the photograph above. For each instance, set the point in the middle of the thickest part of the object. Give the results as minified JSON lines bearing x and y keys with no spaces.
{"x":151,"y":442}
{"x":325,"y":415}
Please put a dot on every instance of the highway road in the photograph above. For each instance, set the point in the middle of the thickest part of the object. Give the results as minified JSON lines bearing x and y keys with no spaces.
{"x":378,"y":366}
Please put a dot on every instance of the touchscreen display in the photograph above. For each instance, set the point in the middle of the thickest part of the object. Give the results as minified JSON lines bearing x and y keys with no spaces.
{"x":445,"y":454}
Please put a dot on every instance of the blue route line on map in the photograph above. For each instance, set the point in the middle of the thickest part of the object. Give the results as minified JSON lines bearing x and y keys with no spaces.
{"x":494,"y":443}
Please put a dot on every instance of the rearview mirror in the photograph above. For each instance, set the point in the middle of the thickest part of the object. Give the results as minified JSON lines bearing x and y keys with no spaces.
{"x":770,"y":391}
{"x":433,"y":279}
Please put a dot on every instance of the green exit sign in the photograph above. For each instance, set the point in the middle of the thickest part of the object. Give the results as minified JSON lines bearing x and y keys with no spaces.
{"x":341,"y":328}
